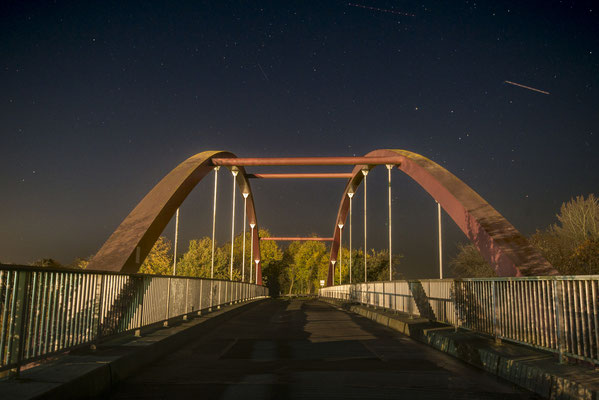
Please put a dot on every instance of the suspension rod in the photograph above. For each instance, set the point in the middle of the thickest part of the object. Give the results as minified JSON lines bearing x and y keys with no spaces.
{"x":214,"y":222}
{"x":272,"y":161}
{"x":365,"y":173}
{"x":176,"y":243}
{"x":234,"y":173}
{"x":440,"y":241}
{"x":389,"y":168}
{"x":245,"y":199}
{"x":350,"y":195}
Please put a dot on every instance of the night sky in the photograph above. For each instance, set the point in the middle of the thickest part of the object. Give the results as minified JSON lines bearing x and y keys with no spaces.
{"x":101,"y":99}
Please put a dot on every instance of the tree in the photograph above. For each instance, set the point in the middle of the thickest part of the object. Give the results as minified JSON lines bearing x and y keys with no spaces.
{"x":197,"y":261}
{"x":222,"y":263}
{"x":586,"y":257}
{"x":377,"y":264}
{"x":579,"y":219}
{"x":468,"y":263}
{"x":80,"y":263}
{"x":47,"y":262}
{"x":571,"y":245}
{"x":159,"y":261}
{"x":271,"y":262}
{"x":309,"y":261}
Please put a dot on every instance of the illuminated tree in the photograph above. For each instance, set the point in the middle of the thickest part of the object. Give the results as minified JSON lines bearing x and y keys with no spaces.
{"x":468,"y":263}
{"x":159,"y":261}
{"x":197,"y":261}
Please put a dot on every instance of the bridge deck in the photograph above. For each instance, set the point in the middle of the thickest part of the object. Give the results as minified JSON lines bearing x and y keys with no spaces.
{"x":282,"y":349}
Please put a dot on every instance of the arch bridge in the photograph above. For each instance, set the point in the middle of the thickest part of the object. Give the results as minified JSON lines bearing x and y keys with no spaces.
{"x":504,"y":248}
{"x":46,"y":312}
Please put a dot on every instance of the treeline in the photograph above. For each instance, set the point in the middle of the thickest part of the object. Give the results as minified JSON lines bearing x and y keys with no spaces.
{"x":296,"y":269}
{"x":571,"y":244}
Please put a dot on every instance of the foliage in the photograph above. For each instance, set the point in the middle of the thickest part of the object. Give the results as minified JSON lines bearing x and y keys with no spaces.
{"x":47,"y":262}
{"x":468,"y":263}
{"x":309,"y":261}
{"x":272,"y":263}
{"x":80,"y":263}
{"x":159,"y":261}
{"x":571,"y":245}
{"x":579,"y":219}
{"x":197,"y":261}
{"x":585,"y":257}
{"x":377,"y":263}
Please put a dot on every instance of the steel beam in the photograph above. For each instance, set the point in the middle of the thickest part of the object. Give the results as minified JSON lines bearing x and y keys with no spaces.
{"x":300,"y":176}
{"x":289,"y":161}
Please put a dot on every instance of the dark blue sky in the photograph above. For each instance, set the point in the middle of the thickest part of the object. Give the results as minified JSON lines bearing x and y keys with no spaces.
{"x":100,"y":99}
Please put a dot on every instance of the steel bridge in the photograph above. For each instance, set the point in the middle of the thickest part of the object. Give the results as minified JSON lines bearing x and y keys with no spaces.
{"x":47,"y":312}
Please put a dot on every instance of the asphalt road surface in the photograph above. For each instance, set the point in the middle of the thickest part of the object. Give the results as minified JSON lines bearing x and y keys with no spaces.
{"x":306,"y":349}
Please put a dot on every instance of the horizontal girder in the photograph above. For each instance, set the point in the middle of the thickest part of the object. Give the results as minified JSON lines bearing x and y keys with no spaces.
{"x":289,"y":161}
{"x":299,"y":176}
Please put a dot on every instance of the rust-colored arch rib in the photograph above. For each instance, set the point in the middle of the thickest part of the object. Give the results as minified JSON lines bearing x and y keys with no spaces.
{"x":142,"y":227}
{"x":498,"y":241}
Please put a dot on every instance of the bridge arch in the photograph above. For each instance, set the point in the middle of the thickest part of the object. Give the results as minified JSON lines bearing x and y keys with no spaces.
{"x":128,"y":246}
{"x":502,"y":246}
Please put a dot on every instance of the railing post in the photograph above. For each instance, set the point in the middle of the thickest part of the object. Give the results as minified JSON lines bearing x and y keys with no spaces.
{"x":18,"y":317}
{"x":201,"y":292}
{"x":140,"y":297}
{"x":220,"y":287}
{"x":168,"y":299}
{"x":559,"y":323}
{"x":455,"y":305}
{"x":496,"y":330}
{"x":97,"y":314}
{"x":186,"y":296}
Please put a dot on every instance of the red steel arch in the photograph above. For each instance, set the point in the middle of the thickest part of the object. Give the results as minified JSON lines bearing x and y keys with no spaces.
{"x":128,"y":246}
{"x":508,"y":251}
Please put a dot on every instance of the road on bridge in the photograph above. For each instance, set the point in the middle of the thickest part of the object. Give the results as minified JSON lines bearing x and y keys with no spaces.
{"x":307,"y":349}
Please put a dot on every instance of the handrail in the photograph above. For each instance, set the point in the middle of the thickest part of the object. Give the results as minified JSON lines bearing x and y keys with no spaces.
{"x":44,"y":311}
{"x":554,"y":313}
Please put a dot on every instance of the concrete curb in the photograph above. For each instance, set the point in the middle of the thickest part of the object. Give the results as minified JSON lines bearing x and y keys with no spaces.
{"x":535,"y":370}
{"x":85,"y":374}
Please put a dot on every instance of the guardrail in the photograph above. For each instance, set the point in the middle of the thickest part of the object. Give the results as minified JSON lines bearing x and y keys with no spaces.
{"x":44,"y":311}
{"x":558,"y":314}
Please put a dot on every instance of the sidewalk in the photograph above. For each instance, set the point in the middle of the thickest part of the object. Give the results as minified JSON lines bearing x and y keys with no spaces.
{"x":85,"y":373}
{"x":530,"y":368}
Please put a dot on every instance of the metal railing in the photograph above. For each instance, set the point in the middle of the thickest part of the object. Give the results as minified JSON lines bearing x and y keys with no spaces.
{"x":45,"y":311}
{"x":558,"y":314}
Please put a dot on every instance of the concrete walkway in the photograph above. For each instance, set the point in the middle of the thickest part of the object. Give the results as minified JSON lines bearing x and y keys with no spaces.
{"x":307,"y":349}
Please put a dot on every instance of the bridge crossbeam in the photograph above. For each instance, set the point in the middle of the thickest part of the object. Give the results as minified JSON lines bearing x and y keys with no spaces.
{"x":299,"y":161}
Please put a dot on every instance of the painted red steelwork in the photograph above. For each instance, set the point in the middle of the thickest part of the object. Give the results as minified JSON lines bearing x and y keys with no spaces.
{"x":504,"y":248}
{"x":299,"y":176}
{"x":300,"y":239}
{"x":128,"y":246}
{"x":289,"y":161}
{"x":497,"y":240}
